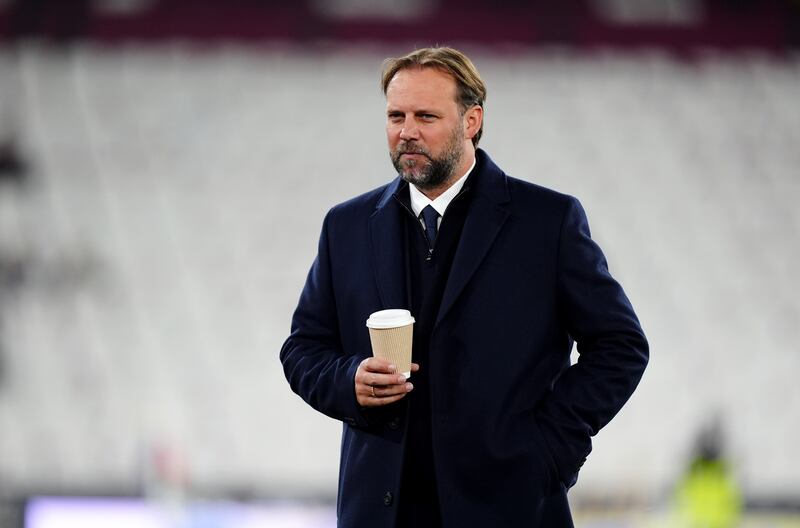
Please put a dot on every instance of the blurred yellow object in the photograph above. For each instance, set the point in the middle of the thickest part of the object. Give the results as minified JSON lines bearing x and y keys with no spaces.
{"x":708,"y":496}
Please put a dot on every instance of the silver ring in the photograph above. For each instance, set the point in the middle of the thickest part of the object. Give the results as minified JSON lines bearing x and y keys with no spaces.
{"x":373,"y":391}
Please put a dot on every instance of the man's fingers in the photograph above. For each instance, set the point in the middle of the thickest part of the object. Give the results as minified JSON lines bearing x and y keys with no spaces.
{"x":414,"y":367}
{"x":377,"y":396}
{"x":376,"y":364}
{"x":377,"y":373}
{"x":390,"y":390}
{"x":387,"y":400}
{"x":378,"y":382}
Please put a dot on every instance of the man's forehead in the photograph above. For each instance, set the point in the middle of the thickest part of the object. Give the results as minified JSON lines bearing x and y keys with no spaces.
{"x":421,"y":84}
{"x":423,"y":74}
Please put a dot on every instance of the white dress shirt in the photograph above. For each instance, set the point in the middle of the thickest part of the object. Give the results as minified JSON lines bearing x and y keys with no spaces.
{"x":419,"y":201}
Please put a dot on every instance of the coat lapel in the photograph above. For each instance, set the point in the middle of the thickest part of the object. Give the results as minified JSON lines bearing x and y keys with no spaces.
{"x":386,"y":248}
{"x":487,"y":213}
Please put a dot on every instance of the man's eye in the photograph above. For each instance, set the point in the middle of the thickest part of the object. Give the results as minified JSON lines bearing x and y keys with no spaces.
{"x":428,"y":117}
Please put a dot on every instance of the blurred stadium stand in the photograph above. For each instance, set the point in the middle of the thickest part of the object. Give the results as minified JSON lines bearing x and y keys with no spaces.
{"x":152,"y":244}
{"x":678,"y":24}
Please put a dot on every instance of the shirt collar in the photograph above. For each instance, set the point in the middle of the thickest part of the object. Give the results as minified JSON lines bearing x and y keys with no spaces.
{"x":419,"y":201}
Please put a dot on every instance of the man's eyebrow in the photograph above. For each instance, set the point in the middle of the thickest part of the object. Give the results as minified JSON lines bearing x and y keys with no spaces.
{"x":418,"y":111}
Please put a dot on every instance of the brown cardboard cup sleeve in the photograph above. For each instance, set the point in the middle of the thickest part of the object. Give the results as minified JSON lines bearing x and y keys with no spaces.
{"x":391,"y":333}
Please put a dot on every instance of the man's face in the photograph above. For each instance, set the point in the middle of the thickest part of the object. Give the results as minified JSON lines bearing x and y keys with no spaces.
{"x":424,"y":127}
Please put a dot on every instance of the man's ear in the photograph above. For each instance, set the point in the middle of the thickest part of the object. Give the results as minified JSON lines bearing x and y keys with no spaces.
{"x":473,"y":119}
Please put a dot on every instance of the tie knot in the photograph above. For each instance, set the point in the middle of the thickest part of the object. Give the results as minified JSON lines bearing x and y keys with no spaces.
{"x":430,"y":215}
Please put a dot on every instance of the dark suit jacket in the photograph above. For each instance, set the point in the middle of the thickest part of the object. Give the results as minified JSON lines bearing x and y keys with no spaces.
{"x":511,"y":419}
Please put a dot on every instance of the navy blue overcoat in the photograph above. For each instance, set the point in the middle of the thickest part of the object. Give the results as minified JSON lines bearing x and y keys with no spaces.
{"x":512,"y":421}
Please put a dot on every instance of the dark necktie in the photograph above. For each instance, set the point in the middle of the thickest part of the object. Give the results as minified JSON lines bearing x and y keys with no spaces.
{"x":430,"y":216}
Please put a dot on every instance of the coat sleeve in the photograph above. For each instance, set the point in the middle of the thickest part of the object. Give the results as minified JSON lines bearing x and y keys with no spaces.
{"x":314,"y":362}
{"x":613,"y":351}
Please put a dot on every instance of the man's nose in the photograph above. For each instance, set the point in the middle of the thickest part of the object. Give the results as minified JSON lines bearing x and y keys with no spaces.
{"x":409,"y":130}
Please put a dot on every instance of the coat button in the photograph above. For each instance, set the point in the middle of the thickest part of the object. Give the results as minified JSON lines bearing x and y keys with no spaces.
{"x":388,"y":498}
{"x":394,"y":423}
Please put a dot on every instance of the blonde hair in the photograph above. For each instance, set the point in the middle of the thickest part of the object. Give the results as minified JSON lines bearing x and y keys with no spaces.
{"x":470,"y":90}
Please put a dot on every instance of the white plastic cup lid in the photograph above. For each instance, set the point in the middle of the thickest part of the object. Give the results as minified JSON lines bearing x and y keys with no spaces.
{"x":390,"y":319}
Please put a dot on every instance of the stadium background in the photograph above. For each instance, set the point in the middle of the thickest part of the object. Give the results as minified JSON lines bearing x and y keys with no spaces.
{"x":165,"y":167}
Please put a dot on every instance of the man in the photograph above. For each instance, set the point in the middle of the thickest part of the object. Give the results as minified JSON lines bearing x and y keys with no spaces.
{"x":501,"y":276}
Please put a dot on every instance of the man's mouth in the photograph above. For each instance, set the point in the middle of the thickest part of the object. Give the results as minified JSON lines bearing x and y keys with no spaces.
{"x":410,"y":153}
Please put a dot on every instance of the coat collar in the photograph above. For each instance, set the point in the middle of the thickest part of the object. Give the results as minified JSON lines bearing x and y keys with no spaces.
{"x":386,"y":248}
{"x":487,"y":213}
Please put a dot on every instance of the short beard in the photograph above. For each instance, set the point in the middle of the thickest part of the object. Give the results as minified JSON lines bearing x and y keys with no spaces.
{"x":436,"y":171}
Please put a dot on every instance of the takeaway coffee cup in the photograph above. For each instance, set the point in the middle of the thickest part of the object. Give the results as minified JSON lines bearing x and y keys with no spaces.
{"x":391,"y":332}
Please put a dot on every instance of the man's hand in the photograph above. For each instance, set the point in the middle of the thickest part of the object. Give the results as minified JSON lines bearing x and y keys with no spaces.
{"x":378,"y":383}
